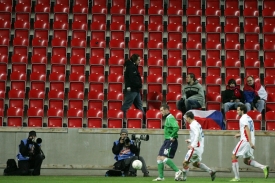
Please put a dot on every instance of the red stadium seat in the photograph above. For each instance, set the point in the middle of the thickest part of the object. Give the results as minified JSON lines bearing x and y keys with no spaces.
{"x":154,"y":100}
{"x":16,"y":98}
{"x":213,"y":101}
{"x":114,"y":118}
{"x":172,"y":98}
{"x":94,"y":118}
{"x":178,"y":115}
{"x":75,"y":99}
{"x":95,"y":100}
{"x":270,"y":103}
{"x":213,"y":67}
{"x":250,"y":8}
{"x":269,"y":65}
{"x":36,"y":98}
{"x":212,"y":8}
{"x":38,"y":81}
{"x":115,"y":99}
{"x":97,"y":64}
{"x":154,"y":83}
{"x":77,"y":82}
{"x":257,"y":119}
{"x":96,"y":82}
{"x":57,"y":81}
{"x":269,"y":120}
{"x":174,"y":66}
{"x":15,"y":117}
{"x":174,"y":83}
{"x":213,"y":84}
{"x":153,"y":119}
{"x":56,"y":99}
{"x":134,"y":118}
{"x":18,"y":80}
{"x":58,"y":64}
{"x":35,"y":117}
{"x":115,"y":81}
{"x":232,"y":120}
{"x":75,"y":118}
{"x":78,"y":64}
{"x":55,"y":117}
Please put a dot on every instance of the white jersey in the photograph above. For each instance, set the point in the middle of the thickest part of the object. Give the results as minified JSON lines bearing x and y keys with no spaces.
{"x":246,"y":120}
{"x":196,"y":135}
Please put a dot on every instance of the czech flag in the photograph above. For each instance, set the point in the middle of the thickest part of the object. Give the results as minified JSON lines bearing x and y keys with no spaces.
{"x":211,"y":119}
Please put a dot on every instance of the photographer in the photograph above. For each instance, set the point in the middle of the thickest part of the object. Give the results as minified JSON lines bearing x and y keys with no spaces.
{"x":125,"y":153}
{"x":30,"y":155}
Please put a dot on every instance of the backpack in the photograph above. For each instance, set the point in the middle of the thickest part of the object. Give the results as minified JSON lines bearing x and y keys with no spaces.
{"x":11,"y":168}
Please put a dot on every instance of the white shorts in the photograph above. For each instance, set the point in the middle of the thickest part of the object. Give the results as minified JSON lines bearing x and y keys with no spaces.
{"x":243,"y":149}
{"x":194,"y":155}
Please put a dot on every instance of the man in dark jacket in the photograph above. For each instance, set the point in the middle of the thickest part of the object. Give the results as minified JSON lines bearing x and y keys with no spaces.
{"x":232,"y":96}
{"x":133,"y":85}
{"x":30,"y":155}
{"x":126,"y":151}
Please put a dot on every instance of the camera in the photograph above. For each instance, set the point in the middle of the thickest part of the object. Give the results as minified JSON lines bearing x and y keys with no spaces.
{"x":140,"y":137}
{"x":127,"y":140}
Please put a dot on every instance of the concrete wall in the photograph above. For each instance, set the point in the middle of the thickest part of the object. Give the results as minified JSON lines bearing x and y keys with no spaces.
{"x":88,"y":151}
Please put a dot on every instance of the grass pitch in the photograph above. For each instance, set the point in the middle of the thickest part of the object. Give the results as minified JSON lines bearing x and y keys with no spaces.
{"x":102,"y":179}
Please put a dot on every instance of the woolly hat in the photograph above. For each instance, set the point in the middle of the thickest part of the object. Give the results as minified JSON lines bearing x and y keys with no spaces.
{"x":123,"y":130}
{"x":32,"y":133}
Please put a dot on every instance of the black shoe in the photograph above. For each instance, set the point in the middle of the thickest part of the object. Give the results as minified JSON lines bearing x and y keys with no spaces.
{"x":213,"y":175}
{"x":146,"y":174}
{"x":131,"y":174}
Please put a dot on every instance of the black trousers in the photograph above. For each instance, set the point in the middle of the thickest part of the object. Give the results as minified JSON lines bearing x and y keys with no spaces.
{"x":34,"y":163}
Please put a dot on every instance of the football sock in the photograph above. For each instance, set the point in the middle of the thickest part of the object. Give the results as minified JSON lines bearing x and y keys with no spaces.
{"x":205,"y":168}
{"x":185,"y":171}
{"x":235,"y":168}
{"x":160,"y":168}
{"x":171,"y":164}
{"x":256,"y":164}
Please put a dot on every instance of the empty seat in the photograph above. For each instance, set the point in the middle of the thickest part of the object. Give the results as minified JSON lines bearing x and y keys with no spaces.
{"x":174,"y":83}
{"x":35,"y":117}
{"x":213,"y":84}
{"x":172,"y":98}
{"x":114,"y":118}
{"x":115,"y":81}
{"x":97,"y":64}
{"x":154,"y":83}
{"x":114,"y":99}
{"x":95,"y":100}
{"x":77,"y":82}
{"x":257,"y":119}
{"x":213,"y":67}
{"x":55,"y":117}
{"x":232,"y":120}
{"x":154,"y":119}
{"x":270,"y":103}
{"x":250,"y":8}
{"x":18,"y":80}
{"x":38,"y":81}
{"x":231,"y":8}
{"x":174,"y":66}
{"x":154,"y":100}
{"x":57,"y":81}
{"x":134,"y":118}
{"x":36,"y":98}
{"x":16,"y":98}
{"x":15,"y":117}
{"x":94,"y":118}
{"x":75,"y":118}
{"x":56,"y":99}
{"x":212,"y":8}
{"x":96,"y":82}
{"x":213,"y":101}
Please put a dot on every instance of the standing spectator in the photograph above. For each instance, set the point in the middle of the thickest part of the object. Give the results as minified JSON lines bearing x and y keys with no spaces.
{"x":232,"y":96}
{"x":170,"y":144}
{"x":246,"y":145}
{"x":254,"y":95}
{"x":195,"y":148}
{"x":133,"y":85}
{"x":193,"y":95}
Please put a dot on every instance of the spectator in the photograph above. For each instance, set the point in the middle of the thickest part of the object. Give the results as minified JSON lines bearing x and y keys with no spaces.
{"x":193,"y":95}
{"x":126,"y":152}
{"x":133,"y":85}
{"x":232,"y":96}
{"x":30,"y":155}
{"x":254,"y":95}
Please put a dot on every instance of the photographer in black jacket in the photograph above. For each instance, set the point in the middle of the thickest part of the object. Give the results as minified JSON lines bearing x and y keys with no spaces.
{"x":30,"y":155}
{"x":133,"y":85}
{"x":126,"y":152}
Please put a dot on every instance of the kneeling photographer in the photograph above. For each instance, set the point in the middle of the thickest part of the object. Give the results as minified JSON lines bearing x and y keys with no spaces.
{"x":30,"y":155}
{"x":126,"y":151}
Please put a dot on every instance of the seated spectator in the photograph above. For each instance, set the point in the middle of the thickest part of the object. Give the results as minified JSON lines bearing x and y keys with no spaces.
{"x":232,"y":96}
{"x":193,"y":95}
{"x":254,"y":95}
{"x":126,"y":152}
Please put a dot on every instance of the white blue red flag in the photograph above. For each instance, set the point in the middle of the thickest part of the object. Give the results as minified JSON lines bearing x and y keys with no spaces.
{"x":211,"y":119}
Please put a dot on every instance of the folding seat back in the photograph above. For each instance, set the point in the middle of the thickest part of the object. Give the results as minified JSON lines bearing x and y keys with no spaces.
{"x":55,"y":117}
{"x":19,"y":63}
{"x":252,"y":67}
{"x":16,"y":98}
{"x":213,"y":101}
{"x":155,"y":66}
{"x":154,"y":119}
{"x":75,"y":99}
{"x":154,"y":83}
{"x":155,"y":53}
{"x":35,"y":117}
{"x":2,"y":99}
{"x":213,"y":67}
{"x":36,"y":98}
{"x":134,"y":118}
{"x":15,"y":117}
{"x":174,"y":66}
{"x":154,"y":100}
{"x":3,"y":78}
{"x":172,"y":98}
{"x":270,"y":103}
{"x":115,"y":99}
{"x":174,"y":83}
{"x":78,"y":64}
{"x":114,"y":118}
{"x":232,"y":120}
{"x":95,"y":100}
{"x":97,"y":64}
{"x":97,"y":52}
{"x":257,"y":119}
{"x":56,"y":99}
{"x":213,"y":84}
{"x":116,"y":65}
{"x":38,"y":81}
{"x":77,"y":82}
{"x":94,"y":118}
{"x":18,"y":80}
{"x":57,"y":81}
{"x":269,"y":65}
{"x":194,"y":66}
{"x":75,"y":118}
{"x":96,"y":82}
{"x":137,"y":18}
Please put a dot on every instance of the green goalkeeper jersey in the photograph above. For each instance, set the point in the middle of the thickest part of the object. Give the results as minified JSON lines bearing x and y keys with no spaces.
{"x":171,"y":127}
